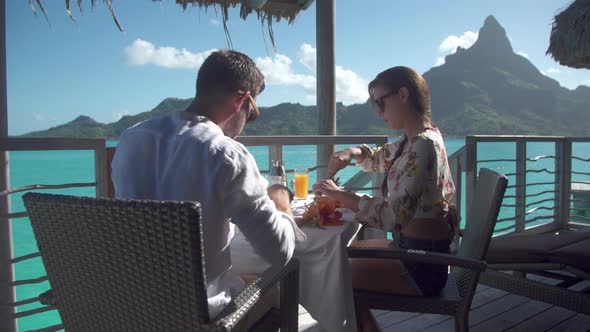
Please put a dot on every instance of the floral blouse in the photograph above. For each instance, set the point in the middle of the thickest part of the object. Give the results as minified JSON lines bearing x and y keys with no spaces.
{"x":419,"y":183}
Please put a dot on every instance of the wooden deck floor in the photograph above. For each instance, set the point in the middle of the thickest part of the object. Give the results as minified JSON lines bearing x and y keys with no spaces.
{"x":492,"y":310}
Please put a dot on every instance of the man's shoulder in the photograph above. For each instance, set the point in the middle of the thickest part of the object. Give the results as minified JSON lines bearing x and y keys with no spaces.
{"x":155,"y":125}
{"x":231,"y":148}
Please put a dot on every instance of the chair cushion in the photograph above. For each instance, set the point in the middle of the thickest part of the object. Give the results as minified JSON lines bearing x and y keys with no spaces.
{"x":531,"y":248}
{"x":576,"y":254}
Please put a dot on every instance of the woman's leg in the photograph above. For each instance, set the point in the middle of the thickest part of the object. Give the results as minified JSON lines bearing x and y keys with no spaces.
{"x":377,"y":275}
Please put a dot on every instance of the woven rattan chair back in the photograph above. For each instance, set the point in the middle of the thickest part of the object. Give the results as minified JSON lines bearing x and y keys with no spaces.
{"x":483,"y":213}
{"x":119,"y":265}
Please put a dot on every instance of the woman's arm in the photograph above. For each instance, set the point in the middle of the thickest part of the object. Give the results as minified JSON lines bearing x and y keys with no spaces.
{"x":377,"y":160}
{"x":329,"y":189}
{"x":341,"y":159}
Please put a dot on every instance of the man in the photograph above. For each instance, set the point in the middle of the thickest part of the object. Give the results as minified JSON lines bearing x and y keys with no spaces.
{"x":192,"y":156}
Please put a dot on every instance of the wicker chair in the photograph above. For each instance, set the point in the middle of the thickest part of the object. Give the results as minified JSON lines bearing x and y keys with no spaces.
{"x":138,"y":266}
{"x":457,"y":295}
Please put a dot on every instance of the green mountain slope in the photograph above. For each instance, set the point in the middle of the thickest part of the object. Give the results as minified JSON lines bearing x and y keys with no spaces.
{"x":486,"y":89}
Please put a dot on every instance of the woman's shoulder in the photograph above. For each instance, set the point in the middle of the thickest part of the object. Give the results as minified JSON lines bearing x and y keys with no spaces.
{"x":430,"y":140}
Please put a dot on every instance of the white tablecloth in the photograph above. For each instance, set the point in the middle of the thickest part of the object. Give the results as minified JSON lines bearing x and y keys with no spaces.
{"x":325,"y":287}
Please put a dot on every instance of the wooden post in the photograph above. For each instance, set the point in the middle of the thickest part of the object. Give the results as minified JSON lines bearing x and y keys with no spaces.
{"x":519,"y":224}
{"x":326,"y":79}
{"x":470,"y":173}
{"x":563,"y":181}
{"x":7,"y":292}
{"x":101,"y":168}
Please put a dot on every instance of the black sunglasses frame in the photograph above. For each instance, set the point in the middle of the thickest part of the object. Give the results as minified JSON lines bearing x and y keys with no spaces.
{"x":380,"y":102}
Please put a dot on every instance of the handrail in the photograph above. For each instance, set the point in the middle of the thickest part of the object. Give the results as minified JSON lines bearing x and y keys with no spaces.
{"x":25,"y":257}
{"x":47,"y":186}
{"x":29,"y":281}
{"x":520,"y":189}
{"x":33,"y":311}
{"x":275,"y":144}
{"x":7,"y":284}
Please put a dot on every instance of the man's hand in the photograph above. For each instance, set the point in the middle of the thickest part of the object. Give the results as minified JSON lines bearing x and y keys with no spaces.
{"x":282,"y":197}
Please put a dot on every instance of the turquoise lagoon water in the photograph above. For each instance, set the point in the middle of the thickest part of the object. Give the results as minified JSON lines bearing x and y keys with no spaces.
{"x":58,"y":167}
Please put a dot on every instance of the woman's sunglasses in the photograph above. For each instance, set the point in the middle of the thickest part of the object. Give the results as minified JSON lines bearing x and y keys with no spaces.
{"x":380,"y":102}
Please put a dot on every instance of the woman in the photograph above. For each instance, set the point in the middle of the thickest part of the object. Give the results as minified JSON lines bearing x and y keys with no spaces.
{"x":417,"y":192}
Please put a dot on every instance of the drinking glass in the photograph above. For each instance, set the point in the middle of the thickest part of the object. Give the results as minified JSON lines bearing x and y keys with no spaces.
{"x":301,"y":182}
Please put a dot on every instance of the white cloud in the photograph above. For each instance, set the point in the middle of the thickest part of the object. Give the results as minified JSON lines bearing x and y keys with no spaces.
{"x":553,"y":70}
{"x":141,"y":53}
{"x":523,"y":54}
{"x":43,"y":117}
{"x":450,"y":44}
{"x":278,"y":71}
{"x":543,"y":72}
{"x":350,"y":87}
{"x":214,"y":22}
{"x":307,"y":56}
{"x":118,"y":115}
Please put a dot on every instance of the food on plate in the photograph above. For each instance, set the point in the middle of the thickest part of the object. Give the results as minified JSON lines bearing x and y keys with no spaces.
{"x":322,"y":212}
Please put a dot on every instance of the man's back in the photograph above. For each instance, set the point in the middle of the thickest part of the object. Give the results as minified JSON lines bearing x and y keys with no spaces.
{"x":187,"y":157}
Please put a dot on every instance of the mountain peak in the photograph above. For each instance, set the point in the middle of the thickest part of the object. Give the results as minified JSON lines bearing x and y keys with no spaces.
{"x":83,"y":120}
{"x":492,"y":38}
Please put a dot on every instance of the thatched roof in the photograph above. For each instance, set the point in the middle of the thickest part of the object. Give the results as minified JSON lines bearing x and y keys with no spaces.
{"x":267,"y":11}
{"x":570,"y":36}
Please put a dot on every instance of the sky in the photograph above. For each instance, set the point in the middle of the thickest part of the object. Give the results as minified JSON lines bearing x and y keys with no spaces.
{"x":58,"y":70}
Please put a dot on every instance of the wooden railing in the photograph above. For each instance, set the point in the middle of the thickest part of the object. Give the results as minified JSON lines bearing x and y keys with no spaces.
{"x":102,"y":157}
{"x":527,"y":199}
{"x":6,"y":241}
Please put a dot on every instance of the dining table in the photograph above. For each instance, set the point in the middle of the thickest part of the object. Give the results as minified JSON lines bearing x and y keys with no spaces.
{"x":325,"y":286}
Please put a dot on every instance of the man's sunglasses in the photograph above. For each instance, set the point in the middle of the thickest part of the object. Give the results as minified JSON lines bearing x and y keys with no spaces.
{"x":380,"y":102}
{"x":253,"y":112}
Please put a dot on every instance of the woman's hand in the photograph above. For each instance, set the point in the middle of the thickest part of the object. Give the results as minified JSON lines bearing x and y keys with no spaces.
{"x":341,"y":159}
{"x":327,"y":188}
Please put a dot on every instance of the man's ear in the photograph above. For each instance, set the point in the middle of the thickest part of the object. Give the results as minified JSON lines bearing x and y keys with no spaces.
{"x":238,"y":101}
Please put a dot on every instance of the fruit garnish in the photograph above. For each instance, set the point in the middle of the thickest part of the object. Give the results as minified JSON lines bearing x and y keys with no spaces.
{"x":322,"y":212}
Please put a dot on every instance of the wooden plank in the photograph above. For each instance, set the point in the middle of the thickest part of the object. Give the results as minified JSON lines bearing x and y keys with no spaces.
{"x":394,"y":317}
{"x":544,"y":320}
{"x":419,"y":323}
{"x":513,"y":317}
{"x":577,"y":323}
{"x":484,"y":312}
{"x":520,"y":208}
{"x":7,"y":292}
{"x":377,"y":312}
{"x":470,"y":172}
{"x":326,"y":78}
{"x":514,"y":138}
{"x":486,"y":295}
{"x":48,"y":144}
{"x":312,"y":140}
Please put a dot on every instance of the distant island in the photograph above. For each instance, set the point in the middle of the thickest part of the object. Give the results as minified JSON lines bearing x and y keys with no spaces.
{"x":485,"y":89}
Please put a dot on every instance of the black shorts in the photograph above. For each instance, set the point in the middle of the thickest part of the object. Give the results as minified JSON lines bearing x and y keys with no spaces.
{"x":430,"y":279}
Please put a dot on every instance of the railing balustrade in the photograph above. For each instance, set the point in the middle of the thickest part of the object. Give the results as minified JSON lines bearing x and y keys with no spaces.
{"x":102,"y":157}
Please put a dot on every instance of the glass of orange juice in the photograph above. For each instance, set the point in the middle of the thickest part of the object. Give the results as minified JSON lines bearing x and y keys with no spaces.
{"x":301,"y":182}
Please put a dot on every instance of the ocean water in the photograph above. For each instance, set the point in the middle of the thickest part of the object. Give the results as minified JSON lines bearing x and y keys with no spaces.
{"x":57,"y":167}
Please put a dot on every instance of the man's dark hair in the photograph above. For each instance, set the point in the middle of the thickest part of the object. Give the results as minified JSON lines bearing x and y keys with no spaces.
{"x":226,"y":72}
